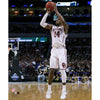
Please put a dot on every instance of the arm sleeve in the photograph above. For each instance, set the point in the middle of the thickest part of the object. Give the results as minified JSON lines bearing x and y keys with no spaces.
{"x":43,"y":21}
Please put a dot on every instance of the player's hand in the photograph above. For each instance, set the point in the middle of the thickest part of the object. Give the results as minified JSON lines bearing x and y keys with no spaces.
{"x":48,"y":11}
{"x":55,"y":8}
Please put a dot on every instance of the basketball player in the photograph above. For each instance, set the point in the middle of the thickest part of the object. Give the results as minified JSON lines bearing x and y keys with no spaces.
{"x":58,"y":56}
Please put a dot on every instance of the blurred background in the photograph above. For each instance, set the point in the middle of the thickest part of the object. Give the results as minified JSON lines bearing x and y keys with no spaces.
{"x":32,"y":60}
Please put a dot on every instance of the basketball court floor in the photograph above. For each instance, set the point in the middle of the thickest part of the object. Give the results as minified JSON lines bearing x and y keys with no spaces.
{"x":37,"y":91}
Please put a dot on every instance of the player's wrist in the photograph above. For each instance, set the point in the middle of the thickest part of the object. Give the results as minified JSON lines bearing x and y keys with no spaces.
{"x":47,"y":12}
{"x":56,"y":11}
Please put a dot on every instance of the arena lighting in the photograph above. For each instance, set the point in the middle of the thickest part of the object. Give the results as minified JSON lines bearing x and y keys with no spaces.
{"x":89,"y":23}
{"x":25,"y":40}
{"x":12,"y":40}
{"x":13,"y":6}
{"x":82,"y":24}
{"x":42,"y":39}
{"x":67,"y":8}
{"x":44,"y":8}
{"x":89,"y":3}
{"x":77,"y":4}
{"x":31,"y":5}
{"x":16,"y":12}
{"x":40,"y":14}
{"x":35,"y":39}
{"x":31,"y":12}
{"x":25,"y":5}
{"x":69,"y":23}
{"x":12,"y":9}
{"x":27,"y":9}
{"x":73,"y":3}
{"x":25,"y":15}
{"x":47,"y":0}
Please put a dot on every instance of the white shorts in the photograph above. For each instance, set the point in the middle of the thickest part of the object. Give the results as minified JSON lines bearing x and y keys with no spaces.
{"x":58,"y":58}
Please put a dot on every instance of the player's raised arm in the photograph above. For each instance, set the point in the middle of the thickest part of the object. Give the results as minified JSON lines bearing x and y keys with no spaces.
{"x":62,"y":19}
{"x":43,"y":22}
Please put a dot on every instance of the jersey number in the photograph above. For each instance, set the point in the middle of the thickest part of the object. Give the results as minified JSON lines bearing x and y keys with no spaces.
{"x":57,"y":34}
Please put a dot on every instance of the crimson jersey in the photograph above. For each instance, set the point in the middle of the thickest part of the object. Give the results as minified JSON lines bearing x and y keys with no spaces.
{"x":58,"y":36}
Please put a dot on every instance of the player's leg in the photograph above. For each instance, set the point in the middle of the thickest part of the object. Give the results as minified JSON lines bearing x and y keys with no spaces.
{"x":50,"y":78}
{"x":64,"y":76}
{"x":63,"y":66}
{"x":64,"y":92}
{"x":53,"y":66}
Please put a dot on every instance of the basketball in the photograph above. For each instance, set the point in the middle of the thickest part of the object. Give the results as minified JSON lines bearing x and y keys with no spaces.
{"x":50,"y":6}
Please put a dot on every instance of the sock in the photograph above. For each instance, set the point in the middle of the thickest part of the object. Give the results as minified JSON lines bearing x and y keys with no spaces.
{"x":64,"y":88}
{"x":49,"y":87}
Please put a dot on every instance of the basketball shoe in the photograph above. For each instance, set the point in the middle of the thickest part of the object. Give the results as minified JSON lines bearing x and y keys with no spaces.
{"x":63,"y":94}
{"x":48,"y":94}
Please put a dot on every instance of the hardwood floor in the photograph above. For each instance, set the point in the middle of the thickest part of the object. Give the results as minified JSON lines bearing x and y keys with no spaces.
{"x":37,"y":91}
